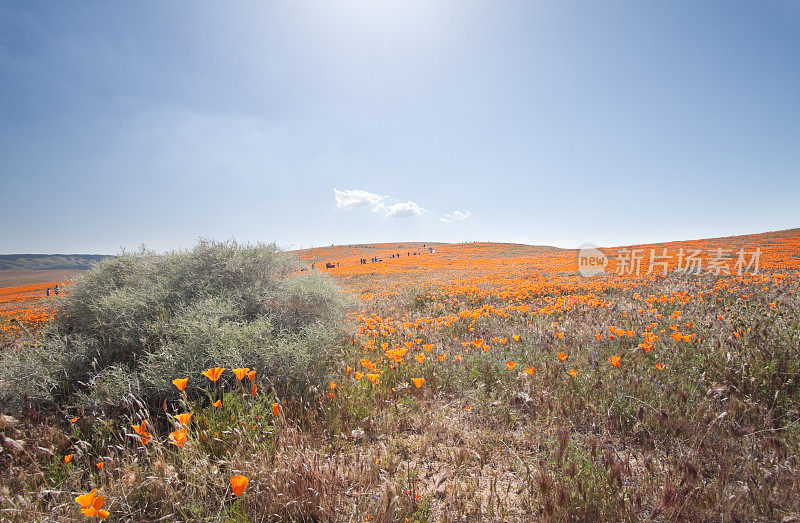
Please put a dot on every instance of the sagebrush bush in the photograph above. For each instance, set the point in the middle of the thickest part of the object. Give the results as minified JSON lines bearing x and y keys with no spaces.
{"x":135,"y":322}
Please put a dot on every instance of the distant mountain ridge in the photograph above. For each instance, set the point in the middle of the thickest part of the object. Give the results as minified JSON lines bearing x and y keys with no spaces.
{"x":49,"y":261}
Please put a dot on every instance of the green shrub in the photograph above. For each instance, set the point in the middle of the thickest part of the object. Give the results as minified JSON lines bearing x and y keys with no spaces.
{"x":135,"y":322}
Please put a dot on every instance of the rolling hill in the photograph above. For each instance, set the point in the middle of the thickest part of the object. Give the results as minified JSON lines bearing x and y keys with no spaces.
{"x":49,"y":261}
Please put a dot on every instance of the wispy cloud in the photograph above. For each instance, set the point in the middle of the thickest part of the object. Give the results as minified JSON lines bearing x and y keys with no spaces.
{"x":455,"y":215}
{"x":385,"y":205}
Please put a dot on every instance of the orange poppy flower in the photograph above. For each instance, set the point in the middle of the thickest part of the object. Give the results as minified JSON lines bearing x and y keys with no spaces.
{"x":92,"y":505}
{"x":218,"y":404}
{"x":178,"y":437}
{"x":238,"y":484}
{"x":184,"y":418}
{"x":251,"y":375}
{"x":676,"y":336}
{"x":373,"y":377}
{"x":332,"y":385}
{"x":67,"y":459}
{"x":516,"y":337}
{"x":511,"y":365}
{"x":418,"y":382}
{"x":614,"y":360}
{"x":145,"y":438}
{"x":468,"y":408}
{"x":529,"y":370}
{"x":86,"y":500}
{"x":359,"y":375}
{"x":276,"y":409}
{"x":254,"y":390}
{"x":562,"y":356}
{"x":100,"y":465}
{"x":214,"y":373}
{"x":73,"y":420}
{"x":659,"y":366}
{"x":598,"y":336}
{"x":573,"y":373}
{"x":140,"y":429}
{"x":428,"y":347}
{"x":419,"y":357}
{"x":180,"y":383}
{"x":441,"y":357}
{"x":241,"y":373}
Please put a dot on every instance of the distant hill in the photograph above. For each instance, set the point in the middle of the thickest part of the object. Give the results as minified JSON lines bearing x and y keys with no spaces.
{"x":49,"y":261}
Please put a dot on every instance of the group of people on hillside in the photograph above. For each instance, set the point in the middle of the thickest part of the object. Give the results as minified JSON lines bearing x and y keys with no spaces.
{"x":55,"y":290}
{"x":376,"y":259}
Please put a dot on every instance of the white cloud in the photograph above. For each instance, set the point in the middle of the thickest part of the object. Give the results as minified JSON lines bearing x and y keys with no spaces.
{"x":357,"y":198}
{"x":388,"y":207}
{"x":455,"y":215}
{"x":403,"y":209}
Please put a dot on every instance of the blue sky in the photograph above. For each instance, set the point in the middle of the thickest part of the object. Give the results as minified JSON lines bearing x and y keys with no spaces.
{"x":314,"y":123}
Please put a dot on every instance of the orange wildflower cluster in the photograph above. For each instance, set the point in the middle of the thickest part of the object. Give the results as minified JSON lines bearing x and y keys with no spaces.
{"x":91,"y":505}
{"x":25,"y":305}
{"x":472,"y":290}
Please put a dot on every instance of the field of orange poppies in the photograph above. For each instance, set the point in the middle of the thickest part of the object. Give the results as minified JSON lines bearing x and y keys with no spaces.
{"x":25,"y":306}
{"x":476,"y":381}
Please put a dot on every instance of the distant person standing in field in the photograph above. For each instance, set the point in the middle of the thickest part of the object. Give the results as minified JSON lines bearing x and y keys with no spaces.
{"x":56,"y":290}
{"x":48,"y":291}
